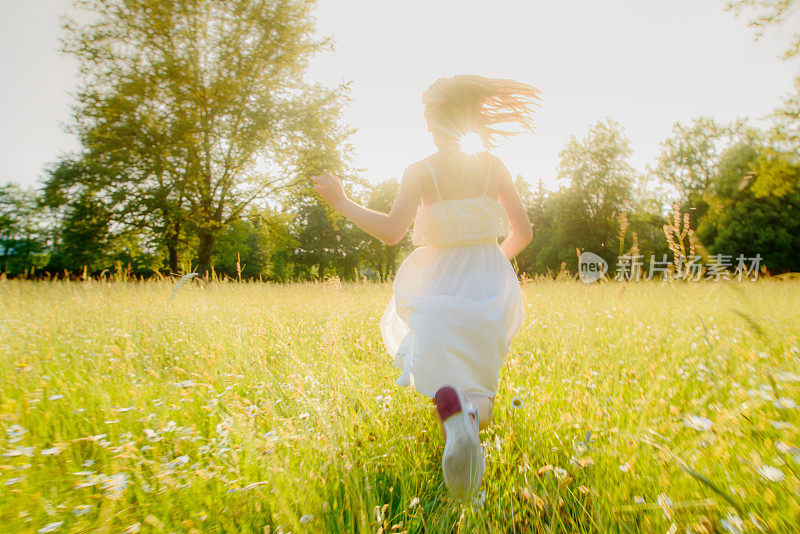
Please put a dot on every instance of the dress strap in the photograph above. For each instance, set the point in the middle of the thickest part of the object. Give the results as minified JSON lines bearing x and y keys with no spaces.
{"x":433,"y":174}
{"x":488,"y":174}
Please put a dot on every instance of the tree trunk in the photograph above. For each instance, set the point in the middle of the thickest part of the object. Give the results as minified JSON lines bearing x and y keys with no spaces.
{"x":173,"y":236}
{"x":204,"y":252}
{"x":173,"y":258}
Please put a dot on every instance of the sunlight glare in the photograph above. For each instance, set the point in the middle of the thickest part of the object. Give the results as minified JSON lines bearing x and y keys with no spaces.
{"x":471,"y":143}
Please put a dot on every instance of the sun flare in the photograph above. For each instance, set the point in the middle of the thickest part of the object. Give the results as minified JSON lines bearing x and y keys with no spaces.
{"x":471,"y":143}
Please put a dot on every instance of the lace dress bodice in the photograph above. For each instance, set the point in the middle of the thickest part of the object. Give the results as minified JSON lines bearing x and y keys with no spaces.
{"x":459,"y":222}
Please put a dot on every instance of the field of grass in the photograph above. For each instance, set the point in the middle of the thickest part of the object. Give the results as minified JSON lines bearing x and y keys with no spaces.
{"x":272,"y":408}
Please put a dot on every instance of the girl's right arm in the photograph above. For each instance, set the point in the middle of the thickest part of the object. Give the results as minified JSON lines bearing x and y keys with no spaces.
{"x":520,"y":233}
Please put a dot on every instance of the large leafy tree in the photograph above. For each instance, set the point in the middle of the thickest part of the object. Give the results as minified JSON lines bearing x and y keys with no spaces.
{"x":688,"y":159}
{"x":690,"y":156}
{"x":743,"y":220}
{"x":601,"y":181}
{"x":195,"y":110}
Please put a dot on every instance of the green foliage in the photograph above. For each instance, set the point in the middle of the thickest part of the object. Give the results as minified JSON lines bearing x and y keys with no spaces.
{"x":22,"y":232}
{"x":601,"y":181}
{"x":84,"y":235}
{"x":688,"y":159}
{"x":777,"y":174}
{"x":746,"y":217}
{"x":195,"y":110}
{"x":586,"y":213}
{"x":254,"y":247}
{"x":379,"y":257}
{"x":765,"y":13}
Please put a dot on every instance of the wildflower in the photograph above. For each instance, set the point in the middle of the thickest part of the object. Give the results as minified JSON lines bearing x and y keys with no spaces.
{"x":560,"y":474}
{"x":773,"y":474}
{"x":516,"y":403}
{"x":19,"y":451}
{"x":50,"y":527}
{"x":15,"y":433}
{"x":179,"y":461}
{"x":306,"y":519}
{"x":414,"y":502}
{"x":115,"y":485}
{"x":82,"y":509}
{"x":698,"y":423}
{"x":756,"y":522}
{"x":784,"y":403}
{"x":733,"y":524}
{"x":666,"y":505}
{"x":786,"y":448}
{"x":781,"y":425}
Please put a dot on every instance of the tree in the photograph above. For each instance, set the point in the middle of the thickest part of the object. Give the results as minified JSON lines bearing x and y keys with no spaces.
{"x":739,"y":221}
{"x":766,"y":13}
{"x":84,"y":235}
{"x":22,"y":239}
{"x":253,"y":246}
{"x":197,"y":109}
{"x":383,"y":258}
{"x":533,"y":201}
{"x":777,"y":171}
{"x":688,"y":159}
{"x":600,"y":187}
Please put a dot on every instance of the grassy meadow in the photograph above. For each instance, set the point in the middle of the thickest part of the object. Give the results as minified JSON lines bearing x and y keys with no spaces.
{"x":264,"y":408}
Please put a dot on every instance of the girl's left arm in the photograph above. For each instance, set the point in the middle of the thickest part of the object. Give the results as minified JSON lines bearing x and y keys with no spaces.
{"x":388,"y":228}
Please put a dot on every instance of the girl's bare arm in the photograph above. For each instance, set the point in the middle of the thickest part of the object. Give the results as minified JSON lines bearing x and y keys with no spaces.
{"x":388,"y":228}
{"x":520,"y":233}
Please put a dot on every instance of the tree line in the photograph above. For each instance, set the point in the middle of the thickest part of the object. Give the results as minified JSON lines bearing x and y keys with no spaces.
{"x":198,"y":133}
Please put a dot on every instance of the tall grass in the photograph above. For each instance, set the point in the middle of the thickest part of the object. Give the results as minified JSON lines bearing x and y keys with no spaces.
{"x":272,"y":408}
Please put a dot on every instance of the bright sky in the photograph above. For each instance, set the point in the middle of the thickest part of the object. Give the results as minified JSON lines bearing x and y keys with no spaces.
{"x":646,"y":64}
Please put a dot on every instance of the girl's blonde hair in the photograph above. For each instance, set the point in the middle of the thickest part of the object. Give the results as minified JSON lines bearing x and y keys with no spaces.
{"x":470,"y":103}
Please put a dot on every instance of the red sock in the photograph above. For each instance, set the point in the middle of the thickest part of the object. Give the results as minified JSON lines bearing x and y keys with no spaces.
{"x":447,"y":402}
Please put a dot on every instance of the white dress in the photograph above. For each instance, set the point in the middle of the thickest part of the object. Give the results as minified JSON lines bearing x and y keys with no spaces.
{"x":457,"y":302}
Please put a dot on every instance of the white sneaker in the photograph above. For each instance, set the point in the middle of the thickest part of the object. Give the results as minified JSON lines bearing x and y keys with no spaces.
{"x":462,"y":463}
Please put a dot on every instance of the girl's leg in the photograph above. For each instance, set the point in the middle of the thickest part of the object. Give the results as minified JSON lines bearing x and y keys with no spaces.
{"x":441,"y":424}
{"x":485,"y":407}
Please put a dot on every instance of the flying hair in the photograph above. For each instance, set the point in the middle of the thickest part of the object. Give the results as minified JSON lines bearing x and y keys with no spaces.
{"x":471,"y":103}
